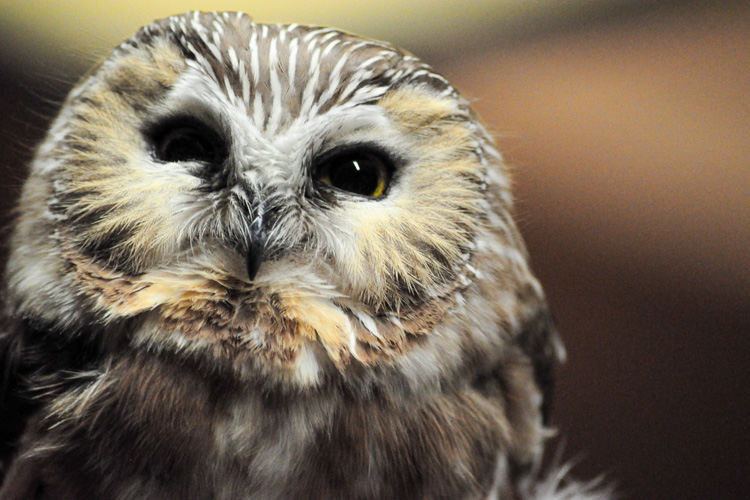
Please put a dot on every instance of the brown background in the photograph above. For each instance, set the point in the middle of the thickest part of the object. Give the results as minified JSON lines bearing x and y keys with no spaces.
{"x":629,"y":133}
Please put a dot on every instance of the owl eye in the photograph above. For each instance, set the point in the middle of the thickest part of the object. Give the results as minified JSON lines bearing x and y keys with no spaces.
{"x":188,"y":140}
{"x":358,"y":171}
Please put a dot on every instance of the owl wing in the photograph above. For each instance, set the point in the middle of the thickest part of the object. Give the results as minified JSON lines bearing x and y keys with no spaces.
{"x":35,"y":361}
{"x":14,"y":407}
{"x":540,"y":341}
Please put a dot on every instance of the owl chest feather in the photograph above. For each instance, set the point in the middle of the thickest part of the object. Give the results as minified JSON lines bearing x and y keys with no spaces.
{"x":149,"y":428}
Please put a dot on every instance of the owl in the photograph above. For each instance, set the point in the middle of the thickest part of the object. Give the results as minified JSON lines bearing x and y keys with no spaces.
{"x":269,"y":262}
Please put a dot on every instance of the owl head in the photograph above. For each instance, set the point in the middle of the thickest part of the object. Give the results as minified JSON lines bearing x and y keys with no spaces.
{"x":292,"y":205}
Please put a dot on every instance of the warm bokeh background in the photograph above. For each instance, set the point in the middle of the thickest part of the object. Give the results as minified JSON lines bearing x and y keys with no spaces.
{"x":628,"y":125}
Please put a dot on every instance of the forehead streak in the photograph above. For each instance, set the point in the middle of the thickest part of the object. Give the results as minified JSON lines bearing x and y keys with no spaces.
{"x":280,"y":74}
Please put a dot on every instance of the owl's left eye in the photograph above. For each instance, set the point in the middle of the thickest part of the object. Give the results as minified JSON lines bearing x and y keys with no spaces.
{"x":359,"y":171}
{"x":188,"y":140}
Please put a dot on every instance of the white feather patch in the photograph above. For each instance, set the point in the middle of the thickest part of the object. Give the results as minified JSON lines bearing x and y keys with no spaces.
{"x":558,"y":485}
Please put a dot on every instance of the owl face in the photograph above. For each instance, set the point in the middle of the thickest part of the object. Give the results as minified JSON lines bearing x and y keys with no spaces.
{"x":282,"y":200}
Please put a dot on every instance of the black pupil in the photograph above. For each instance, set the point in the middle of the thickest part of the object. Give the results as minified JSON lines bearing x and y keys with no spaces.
{"x":360,"y":174}
{"x":183,"y":142}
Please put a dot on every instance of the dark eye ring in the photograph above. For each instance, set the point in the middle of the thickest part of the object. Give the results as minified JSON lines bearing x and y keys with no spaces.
{"x":360,"y":171}
{"x":188,"y":140}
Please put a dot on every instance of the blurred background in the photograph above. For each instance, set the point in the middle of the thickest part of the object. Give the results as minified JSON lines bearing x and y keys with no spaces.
{"x":628,"y":128}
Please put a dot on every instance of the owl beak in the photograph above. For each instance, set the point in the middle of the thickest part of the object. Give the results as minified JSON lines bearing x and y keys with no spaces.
{"x":256,"y":246}
{"x":254,"y":257}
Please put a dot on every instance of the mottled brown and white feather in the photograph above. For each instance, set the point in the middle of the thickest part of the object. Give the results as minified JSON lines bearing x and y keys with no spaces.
{"x":389,"y":347}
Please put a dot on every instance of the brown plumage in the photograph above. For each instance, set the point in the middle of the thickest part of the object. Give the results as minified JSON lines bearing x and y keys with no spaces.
{"x":269,"y":262}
